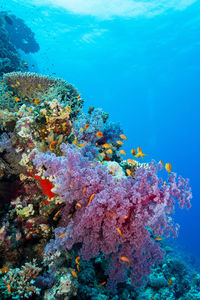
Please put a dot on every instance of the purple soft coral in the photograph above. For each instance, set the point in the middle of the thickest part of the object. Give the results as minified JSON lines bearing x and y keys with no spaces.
{"x":118,"y":220}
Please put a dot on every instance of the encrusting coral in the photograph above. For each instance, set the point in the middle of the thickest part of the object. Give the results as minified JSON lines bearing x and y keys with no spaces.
{"x":74,"y":193}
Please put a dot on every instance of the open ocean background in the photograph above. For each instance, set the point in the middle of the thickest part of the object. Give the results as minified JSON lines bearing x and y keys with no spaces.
{"x":140,"y":62}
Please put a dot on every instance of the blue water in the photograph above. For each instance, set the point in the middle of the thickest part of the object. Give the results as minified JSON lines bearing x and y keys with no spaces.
{"x":141,"y":68}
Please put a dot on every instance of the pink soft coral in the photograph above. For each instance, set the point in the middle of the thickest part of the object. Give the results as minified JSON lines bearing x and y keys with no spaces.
{"x":135,"y":206}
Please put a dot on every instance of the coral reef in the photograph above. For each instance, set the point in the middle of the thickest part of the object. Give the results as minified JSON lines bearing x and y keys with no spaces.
{"x":14,"y":34}
{"x":20,"y":34}
{"x":18,"y":283}
{"x":94,"y":221}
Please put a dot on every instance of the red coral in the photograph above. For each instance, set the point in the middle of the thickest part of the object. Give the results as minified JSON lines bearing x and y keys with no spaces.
{"x":46,"y":185}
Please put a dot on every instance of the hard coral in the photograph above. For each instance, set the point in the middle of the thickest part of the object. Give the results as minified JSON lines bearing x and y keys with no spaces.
{"x":20,"y":282}
{"x":29,"y":87}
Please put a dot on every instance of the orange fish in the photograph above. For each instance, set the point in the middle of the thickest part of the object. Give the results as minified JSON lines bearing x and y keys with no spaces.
{"x":133,"y":151}
{"x":77,"y":260}
{"x":79,"y":96}
{"x":123,"y":137}
{"x":158,"y":238}
{"x":101,"y":284}
{"x":109,"y":151}
{"x":17,"y":99}
{"x":128,"y":172}
{"x":56,"y":215}
{"x":119,"y":143}
{"x":140,"y":153}
{"x":91,"y":197}
{"x":68,"y":108}
{"x":9,"y":288}
{"x":119,"y":231}
{"x":106,"y":146}
{"x":124,"y":258}
{"x":69,"y":170}
{"x":37,"y":101}
{"x":71,"y":186}
{"x":99,"y":134}
{"x":78,"y":204}
{"x":1,"y":81}
{"x":168,"y":167}
{"x":44,"y":227}
{"x":86,"y":126}
{"x":63,"y":234}
{"x":77,"y":266}
{"x":74,"y":274}
{"x":8,"y":95}
{"x":84,"y":190}
{"x":30,"y":288}
{"x":122,"y":152}
{"x":92,"y":164}
{"x":81,"y":129}
{"x":51,"y":145}
{"x":130,"y":161}
{"x":160,"y":162}
{"x":4,"y":270}
{"x":170,"y":281}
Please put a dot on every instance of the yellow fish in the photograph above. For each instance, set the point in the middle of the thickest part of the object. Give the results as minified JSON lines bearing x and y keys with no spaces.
{"x":128,"y":172}
{"x":106,"y":146}
{"x":130,"y":161}
{"x":17,"y":99}
{"x":119,"y":143}
{"x":158,"y":238}
{"x":109,"y":151}
{"x":122,"y":152}
{"x":123,"y":137}
{"x":168,"y":167}
{"x":160,"y":162}
{"x":139,"y":154}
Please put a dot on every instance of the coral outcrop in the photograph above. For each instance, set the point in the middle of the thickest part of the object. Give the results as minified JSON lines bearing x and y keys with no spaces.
{"x":74,"y":203}
{"x":14,"y":35}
